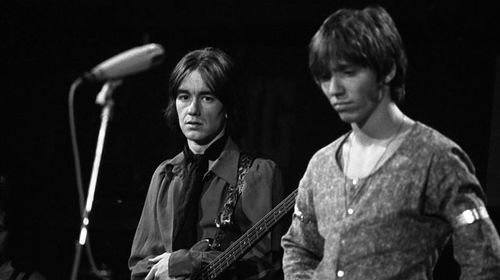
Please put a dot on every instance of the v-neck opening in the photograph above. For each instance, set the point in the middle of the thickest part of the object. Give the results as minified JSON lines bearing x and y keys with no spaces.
{"x":361,"y":180}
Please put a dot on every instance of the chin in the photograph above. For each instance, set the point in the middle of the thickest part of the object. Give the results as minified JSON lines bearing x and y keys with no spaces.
{"x":350,"y":117}
{"x":192,"y":135}
{"x":195,"y":137}
{"x":200,"y":139}
{"x":347,"y":118}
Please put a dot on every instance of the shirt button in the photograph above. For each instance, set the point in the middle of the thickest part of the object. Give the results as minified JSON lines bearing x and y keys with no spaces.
{"x":350,"y":211}
{"x":340,"y":273}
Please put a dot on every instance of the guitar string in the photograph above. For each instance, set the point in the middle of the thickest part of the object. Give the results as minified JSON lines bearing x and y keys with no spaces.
{"x":251,"y":236}
{"x":264,"y":221}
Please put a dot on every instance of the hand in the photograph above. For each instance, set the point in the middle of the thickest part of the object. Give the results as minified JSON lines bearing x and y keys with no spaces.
{"x":159,"y":271}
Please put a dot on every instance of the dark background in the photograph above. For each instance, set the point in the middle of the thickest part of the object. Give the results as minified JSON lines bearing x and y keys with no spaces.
{"x":452,"y":48}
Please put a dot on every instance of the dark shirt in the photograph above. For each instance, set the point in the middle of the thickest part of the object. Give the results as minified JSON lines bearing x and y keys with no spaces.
{"x":262,"y":191}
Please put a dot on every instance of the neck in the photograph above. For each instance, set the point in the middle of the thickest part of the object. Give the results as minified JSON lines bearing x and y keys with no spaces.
{"x":382,"y":124}
{"x":200,"y":149}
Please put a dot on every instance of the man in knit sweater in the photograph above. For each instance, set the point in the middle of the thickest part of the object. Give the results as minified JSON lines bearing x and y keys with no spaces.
{"x":381,"y":201}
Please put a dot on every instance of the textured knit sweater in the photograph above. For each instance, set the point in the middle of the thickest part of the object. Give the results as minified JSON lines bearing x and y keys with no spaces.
{"x":394,"y":223}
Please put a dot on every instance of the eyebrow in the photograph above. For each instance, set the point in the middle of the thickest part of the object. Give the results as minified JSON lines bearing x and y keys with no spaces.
{"x":180,"y":90}
{"x":340,"y":66}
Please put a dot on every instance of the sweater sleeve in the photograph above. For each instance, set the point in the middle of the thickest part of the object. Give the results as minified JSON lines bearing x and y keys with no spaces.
{"x":302,"y":244}
{"x":458,"y":197}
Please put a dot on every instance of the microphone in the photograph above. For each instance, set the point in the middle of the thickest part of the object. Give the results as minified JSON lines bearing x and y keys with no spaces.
{"x":127,"y":63}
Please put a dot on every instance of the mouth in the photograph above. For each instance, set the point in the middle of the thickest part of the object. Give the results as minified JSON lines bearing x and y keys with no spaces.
{"x":193,"y":123}
{"x":341,"y":106}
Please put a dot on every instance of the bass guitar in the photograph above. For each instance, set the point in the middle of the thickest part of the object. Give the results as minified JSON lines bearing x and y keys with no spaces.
{"x":245,"y":242}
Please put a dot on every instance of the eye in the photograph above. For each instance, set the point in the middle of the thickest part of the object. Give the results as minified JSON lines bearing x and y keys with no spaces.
{"x":182,"y":96}
{"x":209,"y":98}
{"x":351,"y":71}
{"x":324,"y":77}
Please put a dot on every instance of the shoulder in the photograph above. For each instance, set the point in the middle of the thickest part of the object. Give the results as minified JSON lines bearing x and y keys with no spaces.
{"x":170,"y":165}
{"x":161,"y":168}
{"x":323,"y":165}
{"x":428,"y":136}
{"x":263,"y":173}
{"x":431,"y":143}
{"x":450,"y":170}
{"x":326,"y":155}
{"x":260,"y":165}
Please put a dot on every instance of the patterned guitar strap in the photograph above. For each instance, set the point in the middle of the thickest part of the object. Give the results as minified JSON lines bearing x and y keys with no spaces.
{"x":226,"y":215}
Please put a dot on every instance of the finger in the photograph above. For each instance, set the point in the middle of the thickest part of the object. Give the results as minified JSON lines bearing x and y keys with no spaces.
{"x":155,"y":259}
{"x":151,"y":274}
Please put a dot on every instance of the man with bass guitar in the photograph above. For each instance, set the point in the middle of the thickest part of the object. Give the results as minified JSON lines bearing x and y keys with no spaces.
{"x":209,"y":191}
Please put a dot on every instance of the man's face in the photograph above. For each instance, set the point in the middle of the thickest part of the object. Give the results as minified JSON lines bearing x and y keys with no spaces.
{"x":353,"y":92}
{"x":201,"y":115}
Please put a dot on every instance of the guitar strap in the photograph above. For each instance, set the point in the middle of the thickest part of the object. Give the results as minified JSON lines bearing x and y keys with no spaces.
{"x":226,"y":216}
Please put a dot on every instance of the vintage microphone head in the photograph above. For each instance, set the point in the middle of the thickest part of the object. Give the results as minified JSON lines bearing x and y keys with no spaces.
{"x":127,"y":63}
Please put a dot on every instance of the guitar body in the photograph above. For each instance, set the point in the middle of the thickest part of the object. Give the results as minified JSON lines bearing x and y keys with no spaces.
{"x":203,"y":245}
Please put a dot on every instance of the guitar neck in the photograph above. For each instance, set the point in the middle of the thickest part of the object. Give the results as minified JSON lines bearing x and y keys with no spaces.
{"x":243,"y":244}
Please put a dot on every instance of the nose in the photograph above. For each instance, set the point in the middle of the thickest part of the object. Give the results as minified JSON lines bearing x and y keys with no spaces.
{"x":193,"y":108}
{"x":333,"y":86}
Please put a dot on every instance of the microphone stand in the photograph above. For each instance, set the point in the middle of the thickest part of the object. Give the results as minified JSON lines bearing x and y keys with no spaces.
{"x":104,"y":98}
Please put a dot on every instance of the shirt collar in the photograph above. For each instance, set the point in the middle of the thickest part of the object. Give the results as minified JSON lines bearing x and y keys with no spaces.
{"x":225,"y":167}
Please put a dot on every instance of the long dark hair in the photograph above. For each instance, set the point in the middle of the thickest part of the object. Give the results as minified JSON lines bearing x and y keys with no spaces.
{"x":217,"y":70}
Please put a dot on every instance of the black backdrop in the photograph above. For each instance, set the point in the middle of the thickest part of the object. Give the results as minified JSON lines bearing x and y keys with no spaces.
{"x":451,"y":47}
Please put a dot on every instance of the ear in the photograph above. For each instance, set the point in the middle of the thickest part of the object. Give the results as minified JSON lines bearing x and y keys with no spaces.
{"x":388,"y":78}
